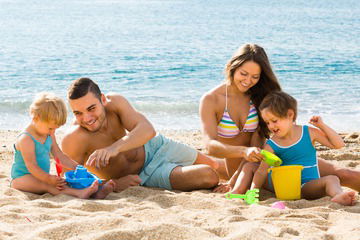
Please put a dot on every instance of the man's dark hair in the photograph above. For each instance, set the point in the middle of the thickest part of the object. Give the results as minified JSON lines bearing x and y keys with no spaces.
{"x":81,"y":87}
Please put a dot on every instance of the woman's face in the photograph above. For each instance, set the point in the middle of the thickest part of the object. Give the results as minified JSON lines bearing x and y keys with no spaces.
{"x":247,"y":75}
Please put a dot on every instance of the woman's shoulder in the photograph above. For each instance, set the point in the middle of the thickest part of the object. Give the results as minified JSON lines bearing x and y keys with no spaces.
{"x":214,"y":94}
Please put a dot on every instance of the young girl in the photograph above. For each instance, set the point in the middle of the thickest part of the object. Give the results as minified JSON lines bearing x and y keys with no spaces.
{"x":31,"y":167}
{"x":294,"y":144}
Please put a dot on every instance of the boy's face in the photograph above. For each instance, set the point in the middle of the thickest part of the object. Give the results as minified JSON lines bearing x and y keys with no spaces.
{"x":279,"y":126}
{"x":89,"y":111}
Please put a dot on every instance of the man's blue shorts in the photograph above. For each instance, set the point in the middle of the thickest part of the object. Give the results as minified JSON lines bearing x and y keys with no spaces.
{"x":162,"y":156}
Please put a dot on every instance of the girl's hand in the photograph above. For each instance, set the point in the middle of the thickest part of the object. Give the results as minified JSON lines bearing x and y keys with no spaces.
{"x":316,"y":121}
{"x":58,"y":182}
{"x":253,"y":154}
{"x":222,"y":188}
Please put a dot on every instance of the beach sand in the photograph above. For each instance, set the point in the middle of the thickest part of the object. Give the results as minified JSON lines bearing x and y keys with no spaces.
{"x":147,"y":213}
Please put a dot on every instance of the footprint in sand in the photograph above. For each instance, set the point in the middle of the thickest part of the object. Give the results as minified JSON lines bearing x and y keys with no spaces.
{"x":288,"y":230}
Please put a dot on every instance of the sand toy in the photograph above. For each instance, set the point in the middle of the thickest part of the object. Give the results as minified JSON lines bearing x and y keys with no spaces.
{"x":271,"y":159}
{"x":80,"y":178}
{"x":58,"y":167}
{"x":250,"y":197}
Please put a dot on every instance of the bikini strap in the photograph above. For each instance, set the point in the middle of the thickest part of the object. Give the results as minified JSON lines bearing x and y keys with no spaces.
{"x":226,"y":95}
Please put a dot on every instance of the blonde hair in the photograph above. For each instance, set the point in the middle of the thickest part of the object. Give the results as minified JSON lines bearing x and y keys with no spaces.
{"x":49,"y":108}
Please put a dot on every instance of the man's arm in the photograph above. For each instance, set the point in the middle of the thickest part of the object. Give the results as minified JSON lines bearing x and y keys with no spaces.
{"x":140,"y":131}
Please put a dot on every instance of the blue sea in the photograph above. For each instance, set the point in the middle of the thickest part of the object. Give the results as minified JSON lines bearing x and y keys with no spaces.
{"x":163,"y":55}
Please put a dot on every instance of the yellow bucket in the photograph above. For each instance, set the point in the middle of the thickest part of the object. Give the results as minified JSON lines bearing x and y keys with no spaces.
{"x":287,"y":181}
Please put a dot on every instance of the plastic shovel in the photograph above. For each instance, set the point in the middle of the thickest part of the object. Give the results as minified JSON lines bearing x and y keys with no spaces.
{"x":271,"y":159}
{"x":58,"y":167}
{"x":250,"y":197}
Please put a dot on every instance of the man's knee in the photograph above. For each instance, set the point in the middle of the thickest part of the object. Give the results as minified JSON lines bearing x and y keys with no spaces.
{"x":209,"y":177}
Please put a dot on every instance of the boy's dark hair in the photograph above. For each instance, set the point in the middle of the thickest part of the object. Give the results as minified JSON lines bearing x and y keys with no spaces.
{"x":279,"y":103}
{"x":81,"y":87}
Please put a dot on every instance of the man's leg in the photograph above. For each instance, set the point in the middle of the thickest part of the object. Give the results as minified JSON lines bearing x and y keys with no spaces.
{"x":348,"y":177}
{"x":193,"y":177}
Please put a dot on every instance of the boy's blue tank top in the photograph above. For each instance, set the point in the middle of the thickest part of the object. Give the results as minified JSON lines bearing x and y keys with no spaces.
{"x":42,"y":154}
{"x":300,"y":153}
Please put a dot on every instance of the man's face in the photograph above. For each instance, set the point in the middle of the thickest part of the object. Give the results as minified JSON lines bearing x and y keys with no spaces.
{"x":89,"y":111}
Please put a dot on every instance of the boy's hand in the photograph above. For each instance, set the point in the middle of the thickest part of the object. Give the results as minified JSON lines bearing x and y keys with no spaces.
{"x":58,"y":182}
{"x":316,"y":121}
{"x":253,"y":154}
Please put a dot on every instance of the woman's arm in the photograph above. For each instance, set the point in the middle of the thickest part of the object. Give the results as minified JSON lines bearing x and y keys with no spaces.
{"x":324,"y":134}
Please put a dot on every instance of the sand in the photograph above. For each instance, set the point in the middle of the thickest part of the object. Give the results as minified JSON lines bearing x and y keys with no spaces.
{"x":148,"y":213}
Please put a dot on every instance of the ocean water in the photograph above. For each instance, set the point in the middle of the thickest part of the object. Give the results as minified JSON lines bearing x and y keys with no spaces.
{"x":163,"y":55}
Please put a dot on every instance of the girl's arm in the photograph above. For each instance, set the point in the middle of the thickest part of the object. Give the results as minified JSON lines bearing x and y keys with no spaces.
{"x":27,"y":148}
{"x":261,"y":174}
{"x":64,"y":159}
{"x":324,"y":134}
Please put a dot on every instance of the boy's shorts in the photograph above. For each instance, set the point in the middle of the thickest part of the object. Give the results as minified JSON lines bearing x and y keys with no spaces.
{"x":162,"y":156}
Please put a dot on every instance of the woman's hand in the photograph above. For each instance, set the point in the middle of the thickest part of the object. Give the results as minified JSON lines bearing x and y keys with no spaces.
{"x":253,"y":154}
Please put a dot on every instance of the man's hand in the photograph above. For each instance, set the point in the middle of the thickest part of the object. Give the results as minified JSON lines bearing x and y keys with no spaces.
{"x":316,"y":121}
{"x":100,"y":158}
{"x":253,"y":154}
{"x":56,"y":181}
{"x":125,"y":182}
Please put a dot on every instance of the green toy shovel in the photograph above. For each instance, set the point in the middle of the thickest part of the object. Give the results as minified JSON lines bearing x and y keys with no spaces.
{"x":271,"y":159}
{"x":250,"y":197}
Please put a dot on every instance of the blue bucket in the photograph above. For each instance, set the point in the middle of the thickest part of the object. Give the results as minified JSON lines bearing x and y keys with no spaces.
{"x":80,"y":178}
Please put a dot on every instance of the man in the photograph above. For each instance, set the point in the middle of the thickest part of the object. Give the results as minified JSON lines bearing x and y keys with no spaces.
{"x":116,"y":142}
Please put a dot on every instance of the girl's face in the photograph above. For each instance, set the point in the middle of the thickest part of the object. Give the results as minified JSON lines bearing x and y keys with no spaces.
{"x":247,"y":75}
{"x":45,"y":128}
{"x":280,"y":127}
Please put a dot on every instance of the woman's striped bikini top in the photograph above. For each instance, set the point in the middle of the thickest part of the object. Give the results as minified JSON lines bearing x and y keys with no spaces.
{"x":227,"y":127}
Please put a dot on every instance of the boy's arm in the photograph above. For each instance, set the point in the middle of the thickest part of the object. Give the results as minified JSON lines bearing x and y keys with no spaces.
{"x":324,"y":134}
{"x":27,"y":148}
{"x":261,"y":174}
{"x":64,"y":159}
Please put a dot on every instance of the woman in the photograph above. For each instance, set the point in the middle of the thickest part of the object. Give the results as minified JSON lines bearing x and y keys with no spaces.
{"x":231,"y":126}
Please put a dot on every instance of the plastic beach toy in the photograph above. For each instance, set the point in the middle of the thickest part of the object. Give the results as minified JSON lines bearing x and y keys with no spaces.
{"x":271,"y":159}
{"x":250,"y":197}
{"x":58,"y":167}
{"x":80,"y":178}
{"x":278,"y":205}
